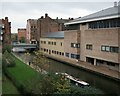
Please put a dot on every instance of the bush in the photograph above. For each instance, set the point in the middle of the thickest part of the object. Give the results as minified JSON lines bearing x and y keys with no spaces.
{"x":6,"y":48}
{"x":7,"y":60}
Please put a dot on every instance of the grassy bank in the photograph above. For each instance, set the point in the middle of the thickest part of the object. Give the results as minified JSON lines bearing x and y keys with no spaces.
{"x":20,"y":74}
{"x":8,"y":86}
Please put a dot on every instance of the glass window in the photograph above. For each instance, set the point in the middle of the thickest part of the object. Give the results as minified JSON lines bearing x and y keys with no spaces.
{"x":107,"y":48}
{"x":67,"y":54}
{"x":103,"y":48}
{"x":114,"y":49}
{"x":89,"y":46}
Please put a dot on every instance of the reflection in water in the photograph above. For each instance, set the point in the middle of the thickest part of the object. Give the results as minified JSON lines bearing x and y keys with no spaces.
{"x":105,"y":84}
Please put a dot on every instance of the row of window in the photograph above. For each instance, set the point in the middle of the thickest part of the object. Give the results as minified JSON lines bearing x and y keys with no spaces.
{"x":109,"y":48}
{"x":104,"y":48}
{"x":75,"y":45}
{"x":74,"y":56}
{"x":51,"y":43}
{"x":52,"y":51}
{"x":105,"y":24}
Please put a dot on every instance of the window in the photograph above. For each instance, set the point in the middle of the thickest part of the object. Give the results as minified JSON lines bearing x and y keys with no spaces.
{"x":54,"y":43}
{"x":67,"y":54}
{"x":75,"y":45}
{"x":44,"y":42}
{"x":105,"y":48}
{"x":75,"y":56}
{"x":48,"y":42}
{"x":61,"y":43}
{"x":89,"y":46}
{"x":72,"y":56}
{"x":114,"y":49}
{"x":105,"y":24}
{"x":62,"y":54}
{"x":41,"y":42}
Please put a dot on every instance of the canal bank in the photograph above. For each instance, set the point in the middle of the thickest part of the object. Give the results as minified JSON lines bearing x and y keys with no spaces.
{"x":108,"y":86}
{"x":99,"y":70}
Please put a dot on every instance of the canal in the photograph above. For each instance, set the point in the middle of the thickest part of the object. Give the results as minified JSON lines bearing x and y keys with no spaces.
{"x":105,"y":84}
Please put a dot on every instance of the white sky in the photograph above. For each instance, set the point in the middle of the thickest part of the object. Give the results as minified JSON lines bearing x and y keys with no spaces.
{"x":19,"y":12}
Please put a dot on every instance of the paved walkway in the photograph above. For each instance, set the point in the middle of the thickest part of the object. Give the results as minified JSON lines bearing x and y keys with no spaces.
{"x":98,"y":69}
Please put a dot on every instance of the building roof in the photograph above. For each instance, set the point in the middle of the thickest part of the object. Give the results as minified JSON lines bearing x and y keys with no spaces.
{"x":58,"y":35}
{"x":109,"y":13}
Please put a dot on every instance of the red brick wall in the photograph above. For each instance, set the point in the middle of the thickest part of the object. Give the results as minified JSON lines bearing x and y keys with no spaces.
{"x":21,"y":33}
{"x":6,"y":31}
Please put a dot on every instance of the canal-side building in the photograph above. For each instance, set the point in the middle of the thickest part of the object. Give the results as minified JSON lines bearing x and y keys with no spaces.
{"x":94,"y":39}
{"x":31,"y":29}
{"x":22,"y":35}
{"x":59,"y":44}
{"x":46,"y":25}
{"x":5,"y":32}
{"x":99,"y":37}
{"x":53,"y":44}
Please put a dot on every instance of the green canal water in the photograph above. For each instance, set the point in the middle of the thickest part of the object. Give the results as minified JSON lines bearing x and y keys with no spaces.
{"x":105,"y":84}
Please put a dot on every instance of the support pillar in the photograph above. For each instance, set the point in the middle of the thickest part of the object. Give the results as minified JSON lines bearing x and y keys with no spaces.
{"x":95,"y":62}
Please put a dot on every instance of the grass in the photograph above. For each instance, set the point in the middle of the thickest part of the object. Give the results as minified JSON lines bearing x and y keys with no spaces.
{"x":21,"y":72}
{"x":8,"y":87}
{"x":20,"y":75}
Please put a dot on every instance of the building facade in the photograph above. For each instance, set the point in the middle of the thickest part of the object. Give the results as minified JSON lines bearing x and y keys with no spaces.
{"x":5,"y":32}
{"x":53,"y":44}
{"x":31,"y":29}
{"x":99,"y":37}
{"x":22,"y":35}
{"x":94,"y":39}
{"x":46,"y":25}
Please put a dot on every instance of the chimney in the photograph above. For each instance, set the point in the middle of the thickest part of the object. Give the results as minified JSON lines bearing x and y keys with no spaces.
{"x":42,"y":17}
{"x":61,"y":18}
{"x":46,"y":15}
{"x":115,"y":4}
{"x":56,"y":18}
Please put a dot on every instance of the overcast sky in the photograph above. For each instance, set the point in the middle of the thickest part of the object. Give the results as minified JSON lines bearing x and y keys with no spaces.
{"x":19,"y":12}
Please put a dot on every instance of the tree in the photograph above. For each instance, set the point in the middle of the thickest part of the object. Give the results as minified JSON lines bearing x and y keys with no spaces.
{"x":40,"y":61}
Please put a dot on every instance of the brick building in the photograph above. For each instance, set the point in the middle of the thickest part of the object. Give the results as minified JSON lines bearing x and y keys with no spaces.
{"x":22,"y":35}
{"x":5,"y":31}
{"x":99,"y":37}
{"x":31,"y":29}
{"x":45,"y":25}
{"x":94,"y":39}
{"x":37,"y":28}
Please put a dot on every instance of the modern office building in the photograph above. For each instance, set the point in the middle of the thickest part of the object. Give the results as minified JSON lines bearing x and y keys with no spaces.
{"x":94,"y":39}
{"x":53,"y":44}
{"x":100,"y":37}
